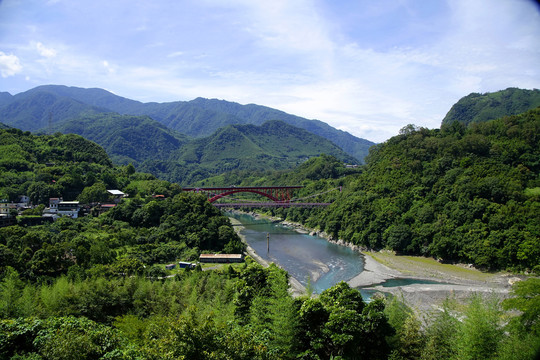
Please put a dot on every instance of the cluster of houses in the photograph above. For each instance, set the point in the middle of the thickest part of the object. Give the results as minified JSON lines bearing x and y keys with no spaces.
{"x":57,"y":208}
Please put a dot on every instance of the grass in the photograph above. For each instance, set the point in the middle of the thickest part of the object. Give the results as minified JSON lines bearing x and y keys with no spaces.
{"x":532,"y":191}
{"x":422,"y":266}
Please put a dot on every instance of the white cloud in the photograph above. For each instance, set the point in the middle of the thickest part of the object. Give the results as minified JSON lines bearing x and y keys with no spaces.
{"x":110,"y":69}
{"x":44,"y":51}
{"x":9,"y":65}
{"x":175,"y":54}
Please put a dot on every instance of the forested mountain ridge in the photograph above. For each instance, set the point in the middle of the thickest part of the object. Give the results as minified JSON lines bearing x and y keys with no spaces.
{"x":467,"y":194}
{"x":127,"y":139}
{"x":256,"y":114}
{"x":274,"y":145}
{"x":273,"y":138}
{"x":477,"y":107}
{"x":37,"y":110}
{"x":5,"y":98}
{"x":197,"y":118}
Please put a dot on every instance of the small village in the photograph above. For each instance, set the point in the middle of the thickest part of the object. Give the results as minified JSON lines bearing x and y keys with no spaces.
{"x":26,"y":213}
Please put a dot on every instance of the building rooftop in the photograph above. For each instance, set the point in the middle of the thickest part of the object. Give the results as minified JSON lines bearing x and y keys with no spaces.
{"x":221,"y":256}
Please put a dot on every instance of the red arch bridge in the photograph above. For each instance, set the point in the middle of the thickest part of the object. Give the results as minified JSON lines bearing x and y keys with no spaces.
{"x":280,"y":196}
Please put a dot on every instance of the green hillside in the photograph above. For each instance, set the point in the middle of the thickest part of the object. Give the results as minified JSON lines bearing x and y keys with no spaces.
{"x":127,"y":139}
{"x":34,"y":111}
{"x":458,"y":194}
{"x":476,"y":107}
{"x":274,"y":145}
{"x":257,"y":115}
{"x":273,"y":139}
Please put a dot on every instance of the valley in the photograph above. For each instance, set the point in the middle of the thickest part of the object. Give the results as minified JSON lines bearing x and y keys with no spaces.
{"x":424,"y":201}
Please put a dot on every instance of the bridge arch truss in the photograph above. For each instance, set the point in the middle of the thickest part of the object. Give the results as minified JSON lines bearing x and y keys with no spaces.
{"x":278,"y":194}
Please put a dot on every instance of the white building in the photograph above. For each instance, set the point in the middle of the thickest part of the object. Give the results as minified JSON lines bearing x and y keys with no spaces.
{"x":5,"y":208}
{"x":68,"y":208}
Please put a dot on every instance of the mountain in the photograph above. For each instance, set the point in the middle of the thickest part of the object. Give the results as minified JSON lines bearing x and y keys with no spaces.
{"x":127,"y":139}
{"x":256,"y":114}
{"x":274,"y":145}
{"x":34,"y":109}
{"x":152,"y":147}
{"x":196,"y":118}
{"x":273,"y":139}
{"x":5,"y":98}
{"x":475,"y":107}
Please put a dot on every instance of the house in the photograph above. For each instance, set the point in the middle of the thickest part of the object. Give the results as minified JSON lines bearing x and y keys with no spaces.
{"x":53,"y":205}
{"x":68,"y":208}
{"x":24,"y":201}
{"x":184,"y":265}
{"x":6,"y":207}
{"x":170,"y":266}
{"x":117,"y":195}
{"x":101,"y":208}
{"x":221,"y":258}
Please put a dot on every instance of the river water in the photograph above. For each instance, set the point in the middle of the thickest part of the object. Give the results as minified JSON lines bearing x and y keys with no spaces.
{"x":309,"y":259}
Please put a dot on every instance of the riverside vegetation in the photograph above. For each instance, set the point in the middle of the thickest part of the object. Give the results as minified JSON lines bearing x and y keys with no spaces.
{"x":96,"y":288}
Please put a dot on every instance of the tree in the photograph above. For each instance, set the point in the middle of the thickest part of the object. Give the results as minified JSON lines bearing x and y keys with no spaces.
{"x":526,"y":299}
{"x":338,"y":323}
{"x":480,"y":331}
{"x":128,"y":267}
{"x":40,"y":192}
{"x":94,"y":193}
{"x":441,"y":335}
{"x":10,"y":291}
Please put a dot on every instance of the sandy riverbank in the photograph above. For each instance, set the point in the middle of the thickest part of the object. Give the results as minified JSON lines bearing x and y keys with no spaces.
{"x":455,"y":281}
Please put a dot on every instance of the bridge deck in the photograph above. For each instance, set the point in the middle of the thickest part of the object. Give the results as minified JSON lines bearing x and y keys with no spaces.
{"x":269,"y":204}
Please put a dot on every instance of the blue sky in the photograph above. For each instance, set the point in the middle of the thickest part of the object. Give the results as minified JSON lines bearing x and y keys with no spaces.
{"x":367,"y":67}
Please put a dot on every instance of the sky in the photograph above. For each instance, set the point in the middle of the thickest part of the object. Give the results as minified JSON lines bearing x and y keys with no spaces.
{"x":363,"y":66}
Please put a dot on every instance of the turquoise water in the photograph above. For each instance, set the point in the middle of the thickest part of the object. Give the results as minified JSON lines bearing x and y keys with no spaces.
{"x":306,"y":258}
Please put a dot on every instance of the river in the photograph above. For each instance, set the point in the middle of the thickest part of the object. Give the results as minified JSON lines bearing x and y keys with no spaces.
{"x":309,"y":259}
{"x":319,"y":264}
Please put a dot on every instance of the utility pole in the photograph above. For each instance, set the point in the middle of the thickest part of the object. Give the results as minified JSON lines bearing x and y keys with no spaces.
{"x":267,"y":242}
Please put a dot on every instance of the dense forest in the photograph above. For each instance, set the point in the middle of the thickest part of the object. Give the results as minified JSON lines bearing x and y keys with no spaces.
{"x":273,"y":145}
{"x":125,"y":138}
